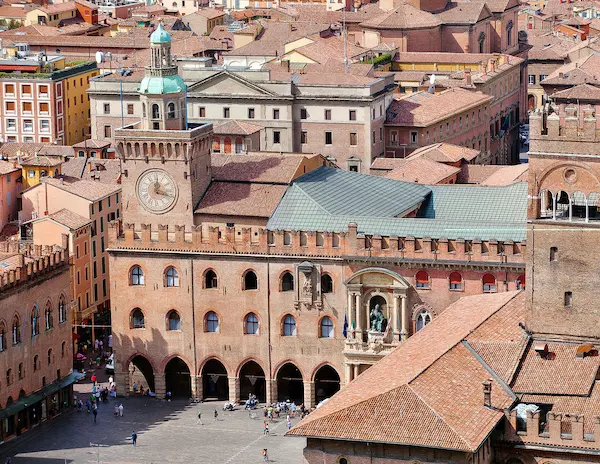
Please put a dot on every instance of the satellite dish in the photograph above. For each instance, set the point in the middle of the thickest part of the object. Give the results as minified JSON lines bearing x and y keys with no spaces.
{"x":99,"y":57}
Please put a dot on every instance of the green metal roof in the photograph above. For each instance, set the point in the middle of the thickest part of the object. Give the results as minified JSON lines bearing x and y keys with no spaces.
{"x":157,"y":85}
{"x":160,"y":35}
{"x":328,"y":201}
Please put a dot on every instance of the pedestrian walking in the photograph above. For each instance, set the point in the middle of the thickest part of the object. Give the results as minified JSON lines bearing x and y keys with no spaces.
{"x":95,"y":411}
{"x":88,"y":403}
{"x":168,"y":396}
{"x":266,"y":430}
{"x":200,"y":418}
{"x":216,"y":414}
{"x":289,"y":423}
{"x":134,"y":438}
{"x":121,"y":410}
{"x":265,"y":455}
{"x":8,"y":461}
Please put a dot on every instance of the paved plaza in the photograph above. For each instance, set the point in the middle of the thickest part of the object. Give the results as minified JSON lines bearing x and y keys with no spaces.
{"x":167,"y":432}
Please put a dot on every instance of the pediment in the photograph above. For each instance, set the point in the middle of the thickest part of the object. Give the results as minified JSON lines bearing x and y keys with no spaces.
{"x":225,"y":83}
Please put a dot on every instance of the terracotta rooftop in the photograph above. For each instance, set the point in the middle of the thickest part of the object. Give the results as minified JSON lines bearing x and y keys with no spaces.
{"x":579,"y":92}
{"x":423,"y":109}
{"x":581,"y":71}
{"x":422,"y":171}
{"x":208,"y":13}
{"x":12,"y":12}
{"x":241,"y":199}
{"x":267,"y":168}
{"x":55,"y":8}
{"x":24,"y":149}
{"x":107,"y":171}
{"x":7,"y":167}
{"x":93,"y":143}
{"x":68,"y":219}
{"x":507,"y":175}
{"x":446,"y":153}
{"x":42,"y":161}
{"x":464,"y":13}
{"x":403,"y":17}
{"x":235,"y":127}
{"x":428,"y":391}
{"x":87,"y":189}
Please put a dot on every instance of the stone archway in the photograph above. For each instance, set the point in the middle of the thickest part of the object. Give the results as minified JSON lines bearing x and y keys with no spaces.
{"x":178,"y":380}
{"x":215,"y":385}
{"x":290,"y":385}
{"x":252,"y":381}
{"x":141,"y":373}
{"x":327,"y":383}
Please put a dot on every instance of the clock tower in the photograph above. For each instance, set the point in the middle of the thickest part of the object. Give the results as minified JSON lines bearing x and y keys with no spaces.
{"x":165,"y":161}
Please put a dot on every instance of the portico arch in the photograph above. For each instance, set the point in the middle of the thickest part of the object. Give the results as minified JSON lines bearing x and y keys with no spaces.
{"x":214,"y":380}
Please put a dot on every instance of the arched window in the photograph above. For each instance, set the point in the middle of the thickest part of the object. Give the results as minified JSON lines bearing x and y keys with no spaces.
{"x":456,"y":282}
{"x":16,"y":331}
{"x":2,"y":336}
{"x":342,"y":461}
{"x":210,"y":279}
{"x":173,"y":320}
{"x":155,"y":111}
{"x":136,"y":276}
{"x":171,"y":277}
{"x":36,"y":363}
{"x":287,"y":282}
{"x":422,"y":279}
{"x":250,"y":281}
{"x":509,"y":28}
{"x":216,"y":145}
{"x":48,"y":316}
{"x":50,"y":356}
{"x":43,"y":173}
{"x":326,"y":328}
{"x":212,"y":322}
{"x":171,"y":111}
{"x":481,"y":40}
{"x":489,"y":283}
{"x":289,"y":326}
{"x":423,"y":319}
{"x":35,"y":322}
{"x":326,"y":284}
{"x":137,"y":319}
{"x":251,"y":324}
{"x":174,"y":4}
{"x":520,"y":282}
{"x":62,"y":309}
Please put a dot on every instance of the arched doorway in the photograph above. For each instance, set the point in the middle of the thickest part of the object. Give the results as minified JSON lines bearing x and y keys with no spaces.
{"x":141,"y":373}
{"x":327,"y":383}
{"x":177,"y":378}
{"x":214,"y":381}
{"x":252,"y":381}
{"x":227,"y":148}
{"x":290,"y":385}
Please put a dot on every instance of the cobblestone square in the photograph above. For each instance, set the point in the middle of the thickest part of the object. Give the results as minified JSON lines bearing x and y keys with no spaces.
{"x":167,"y":432}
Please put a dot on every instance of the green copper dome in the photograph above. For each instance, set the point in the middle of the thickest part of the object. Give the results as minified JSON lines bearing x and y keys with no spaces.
{"x":160,"y":35}
{"x":157,"y":85}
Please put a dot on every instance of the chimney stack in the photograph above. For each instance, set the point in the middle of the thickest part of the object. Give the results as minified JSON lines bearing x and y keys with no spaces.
{"x":468,"y":76}
{"x":487,"y":393}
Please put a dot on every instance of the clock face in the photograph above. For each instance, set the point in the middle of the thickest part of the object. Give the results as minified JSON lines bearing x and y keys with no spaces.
{"x":156,"y":191}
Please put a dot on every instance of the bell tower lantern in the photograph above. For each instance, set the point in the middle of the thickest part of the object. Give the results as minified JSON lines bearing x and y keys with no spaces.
{"x":162,"y":91}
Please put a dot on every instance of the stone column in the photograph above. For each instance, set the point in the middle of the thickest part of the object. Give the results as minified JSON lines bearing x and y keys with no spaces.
{"x":160,"y":385}
{"x":309,"y":394}
{"x":122,"y":381}
{"x":395,"y":320}
{"x":348,"y":373}
{"x":405,"y":319}
{"x":234,"y":389}
{"x":271,"y":390}
{"x":356,"y":370}
{"x":358,"y":316}
{"x":349,"y":315}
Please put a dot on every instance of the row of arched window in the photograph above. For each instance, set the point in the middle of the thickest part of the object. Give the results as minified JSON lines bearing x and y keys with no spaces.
{"x":37,"y":365}
{"x":456,"y":283}
{"x":210,"y":279}
{"x":251,"y":323}
{"x":48,"y":323}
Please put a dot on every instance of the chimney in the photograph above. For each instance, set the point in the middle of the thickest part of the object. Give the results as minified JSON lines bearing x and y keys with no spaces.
{"x":285,"y":64}
{"x":487,"y":393}
{"x":468,"y":76}
{"x":561,"y":75}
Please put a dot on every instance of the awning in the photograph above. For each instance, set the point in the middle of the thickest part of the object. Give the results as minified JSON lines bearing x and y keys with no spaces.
{"x":38,"y":396}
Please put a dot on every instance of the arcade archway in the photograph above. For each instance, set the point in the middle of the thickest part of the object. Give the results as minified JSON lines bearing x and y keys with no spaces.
{"x":141,"y":372}
{"x":290,"y":385}
{"x":327,"y":383}
{"x":177,"y":378}
{"x":252,"y":381}
{"x":214,"y":381}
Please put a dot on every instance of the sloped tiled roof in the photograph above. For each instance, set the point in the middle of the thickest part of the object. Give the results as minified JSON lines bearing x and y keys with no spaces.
{"x":463,"y":13}
{"x":88,"y":189}
{"x":446,"y":153}
{"x":236,"y":127}
{"x":271,"y":168}
{"x":6,"y":167}
{"x":428,"y":391}
{"x":404,"y":17}
{"x":69,"y":219}
{"x":422,"y":171}
{"x":507,"y":175}
{"x":579,"y":92}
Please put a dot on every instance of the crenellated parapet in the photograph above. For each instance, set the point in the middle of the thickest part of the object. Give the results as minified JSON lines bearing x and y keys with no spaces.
{"x":259,"y":240}
{"x":566,"y":128}
{"x":554,"y":429}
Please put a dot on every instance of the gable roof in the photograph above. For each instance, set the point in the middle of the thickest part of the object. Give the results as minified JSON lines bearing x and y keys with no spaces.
{"x":87,"y":189}
{"x":464,"y":13}
{"x":421,"y":170}
{"x":445,"y":153}
{"x":235,"y":127}
{"x":579,"y":92}
{"x":228,"y":75}
{"x":428,"y":391}
{"x":271,"y":168}
{"x":67,"y":218}
{"x":405,"y":16}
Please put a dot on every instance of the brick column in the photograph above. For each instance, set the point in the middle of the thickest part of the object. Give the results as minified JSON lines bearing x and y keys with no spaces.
{"x":196,"y":386}
{"x":271,"y":390}
{"x":234,"y":389}
{"x":122,"y":381}
{"x":160,"y":385}
{"x":309,"y":394}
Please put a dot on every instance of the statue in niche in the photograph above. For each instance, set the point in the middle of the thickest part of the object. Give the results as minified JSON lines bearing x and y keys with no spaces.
{"x":307,"y":285}
{"x":377,"y":320}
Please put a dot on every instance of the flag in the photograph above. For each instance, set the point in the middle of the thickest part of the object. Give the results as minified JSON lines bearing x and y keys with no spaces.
{"x":345,"y":331}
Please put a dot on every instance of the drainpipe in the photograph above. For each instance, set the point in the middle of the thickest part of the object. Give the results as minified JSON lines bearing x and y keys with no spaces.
{"x":194,"y":326}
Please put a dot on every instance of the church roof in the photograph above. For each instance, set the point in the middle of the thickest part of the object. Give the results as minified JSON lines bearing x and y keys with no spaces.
{"x":160,"y":35}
